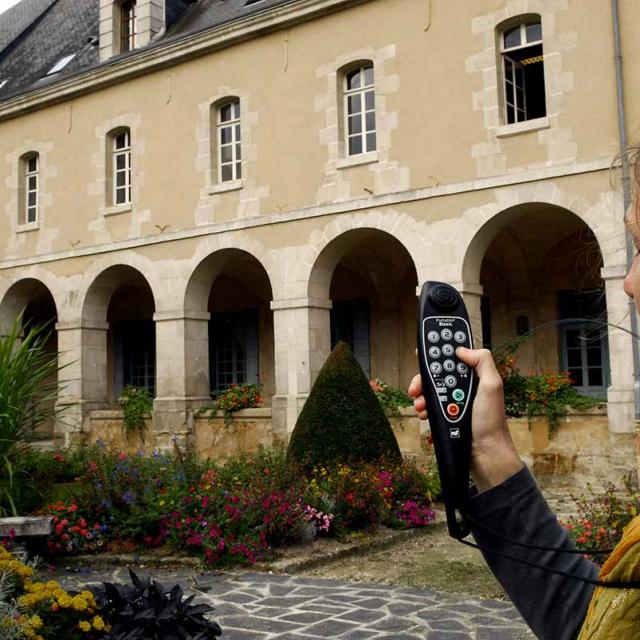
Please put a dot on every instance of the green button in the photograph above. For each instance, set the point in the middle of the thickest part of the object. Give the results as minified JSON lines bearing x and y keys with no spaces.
{"x":458,"y":395}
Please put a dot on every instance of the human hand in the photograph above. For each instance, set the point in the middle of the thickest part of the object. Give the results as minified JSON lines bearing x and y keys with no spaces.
{"x":493,"y":455}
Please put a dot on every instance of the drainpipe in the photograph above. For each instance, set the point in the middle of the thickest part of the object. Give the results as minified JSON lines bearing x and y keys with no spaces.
{"x":626,"y":190}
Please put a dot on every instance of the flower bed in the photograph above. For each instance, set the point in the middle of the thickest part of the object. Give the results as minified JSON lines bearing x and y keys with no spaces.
{"x":238,"y":512}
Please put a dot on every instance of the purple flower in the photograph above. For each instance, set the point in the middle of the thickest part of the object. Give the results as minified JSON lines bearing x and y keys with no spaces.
{"x":128,"y":497}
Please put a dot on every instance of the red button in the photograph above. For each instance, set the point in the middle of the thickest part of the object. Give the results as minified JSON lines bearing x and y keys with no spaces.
{"x":453,"y":409}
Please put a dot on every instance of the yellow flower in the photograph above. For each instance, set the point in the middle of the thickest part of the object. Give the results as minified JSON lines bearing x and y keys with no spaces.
{"x":36,"y":622}
{"x":98,"y":623}
{"x":161,"y":503}
{"x":84,"y":626}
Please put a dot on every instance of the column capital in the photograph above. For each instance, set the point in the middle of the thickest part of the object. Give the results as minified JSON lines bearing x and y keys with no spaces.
{"x":614,"y":272}
{"x":301,"y":303}
{"x":75,"y":325}
{"x":468,"y":288}
{"x":180,"y":314}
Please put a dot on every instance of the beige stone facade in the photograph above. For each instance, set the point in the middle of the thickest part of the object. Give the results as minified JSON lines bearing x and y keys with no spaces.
{"x":517,"y":213}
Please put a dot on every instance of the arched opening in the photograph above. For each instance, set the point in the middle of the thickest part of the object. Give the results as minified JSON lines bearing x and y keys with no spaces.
{"x":122,"y":298}
{"x":539,"y":266}
{"x":234,"y":288}
{"x":34,"y":300}
{"x":371,"y":281}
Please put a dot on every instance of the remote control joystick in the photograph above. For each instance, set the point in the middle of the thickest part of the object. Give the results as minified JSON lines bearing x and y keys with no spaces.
{"x":449,"y":386}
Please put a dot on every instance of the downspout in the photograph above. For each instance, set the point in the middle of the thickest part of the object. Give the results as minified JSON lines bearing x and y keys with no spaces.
{"x":626,"y":191}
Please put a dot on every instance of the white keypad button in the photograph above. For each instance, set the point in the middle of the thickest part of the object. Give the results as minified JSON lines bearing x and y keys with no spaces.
{"x":448,"y":350}
{"x":449,"y":366}
{"x":459,"y":336}
{"x":451,"y":381}
{"x":462,"y":368}
{"x":435,"y":368}
{"x":434,"y":352}
{"x":446,"y":334}
{"x":433,"y":336}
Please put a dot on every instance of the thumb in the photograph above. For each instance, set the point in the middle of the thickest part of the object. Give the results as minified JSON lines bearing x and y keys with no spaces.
{"x":481,"y":360}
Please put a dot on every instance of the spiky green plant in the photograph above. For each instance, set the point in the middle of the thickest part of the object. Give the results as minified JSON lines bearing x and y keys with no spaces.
{"x":28,"y":391}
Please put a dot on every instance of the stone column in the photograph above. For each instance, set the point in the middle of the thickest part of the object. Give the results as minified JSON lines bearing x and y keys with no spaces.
{"x":302,"y":337}
{"x":82,"y":354}
{"x":620,"y":396}
{"x":472,"y":296}
{"x":182,"y":370}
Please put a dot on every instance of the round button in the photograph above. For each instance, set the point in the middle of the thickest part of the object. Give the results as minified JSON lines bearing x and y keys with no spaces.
{"x":433,"y":336}
{"x":435,"y":368}
{"x":450,"y":381}
{"x":462,"y":368}
{"x":458,"y":395}
{"x":446,"y":334}
{"x":453,"y":409}
{"x":449,"y":366}
{"x":434,"y":352}
{"x":459,"y":336}
{"x":448,"y":350}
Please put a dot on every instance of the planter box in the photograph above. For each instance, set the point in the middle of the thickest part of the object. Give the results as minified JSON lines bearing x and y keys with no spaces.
{"x":107,"y":426}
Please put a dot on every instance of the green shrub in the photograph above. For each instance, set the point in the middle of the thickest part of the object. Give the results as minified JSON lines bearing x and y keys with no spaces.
{"x":342,"y":420}
{"x":136,"y":405}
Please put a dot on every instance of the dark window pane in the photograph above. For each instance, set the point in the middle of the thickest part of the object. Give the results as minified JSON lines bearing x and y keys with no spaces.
{"x":353,"y":80}
{"x":355,"y":124}
{"x":371,"y":141}
{"x":368,"y":76}
{"x":574,"y":358}
{"x":120,"y":179}
{"x":534,"y":32}
{"x":238,"y":152}
{"x":32,"y":183}
{"x":510,"y":115}
{"x":226,"y":154}
{"x":355,"y":145}
{"x":371,"y":121}
{"x":226,"y":173}
{"x":354,"y":104}
{"x":31,"y":199}
{"x":238,"y":170}
{"x":236,"y":109}
{"x":512,"y":38}
{"x":33,"y":164}
{"x":225,"y":135}
{"x":576,"y":376}
{"x":595,"y":377}
{"x":225,"y":113}
{"x":121,"y":140}
{"x":573,"y":338}
{"x":238,"y":133}
{"x":121,"y":196}
{"x":120,"y":161}
{"x":369,"y":100}
{"x":594,"y":357}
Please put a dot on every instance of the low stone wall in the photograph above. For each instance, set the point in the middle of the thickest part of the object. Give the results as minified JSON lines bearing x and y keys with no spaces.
{"x":107,"y":426}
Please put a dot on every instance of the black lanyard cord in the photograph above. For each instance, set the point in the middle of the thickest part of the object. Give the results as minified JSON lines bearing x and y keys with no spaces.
{"x":592,"y":552}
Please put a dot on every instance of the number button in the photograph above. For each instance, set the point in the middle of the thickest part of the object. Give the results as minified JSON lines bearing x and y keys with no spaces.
{"x":459,"y":336}
{"x":448,"y":350}
{"x":450,"y":381}
{"x":435,"y":368}
{"x":433,"y":336}
{"x":462,"y":368}
{"x":449,"y":366}
{"x":434,"y":352}
{"x":446,"y":334}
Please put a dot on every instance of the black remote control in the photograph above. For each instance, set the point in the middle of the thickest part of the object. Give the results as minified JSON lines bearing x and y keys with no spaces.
{"x":448,"y":386}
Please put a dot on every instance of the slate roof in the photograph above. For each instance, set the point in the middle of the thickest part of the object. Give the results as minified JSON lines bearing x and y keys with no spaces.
{"x":35,"y":34}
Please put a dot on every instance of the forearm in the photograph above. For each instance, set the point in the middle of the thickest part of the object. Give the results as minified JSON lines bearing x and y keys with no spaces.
{"x":553,"y":606}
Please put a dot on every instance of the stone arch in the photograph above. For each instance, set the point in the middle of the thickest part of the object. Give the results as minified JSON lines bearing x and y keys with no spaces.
{"x":370,"y":278}
{"x":231,"y":290}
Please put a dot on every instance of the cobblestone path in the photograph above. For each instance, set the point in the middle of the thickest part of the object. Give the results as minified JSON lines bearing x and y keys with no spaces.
{"x":264,"y":606}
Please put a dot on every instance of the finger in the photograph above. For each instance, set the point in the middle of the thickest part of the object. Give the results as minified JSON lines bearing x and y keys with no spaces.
{"x":420,"y":404}
{"x":415,"y":388}
{"x":482,"y":361}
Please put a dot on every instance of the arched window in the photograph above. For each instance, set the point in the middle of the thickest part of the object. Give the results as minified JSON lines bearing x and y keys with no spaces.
{"x":359,"y":109}
{"x":227,"y":151}
{"x":128,"y":23}
{"x":523,"y":71}
{"x":29,"y":187}
{"x":119,"y":166}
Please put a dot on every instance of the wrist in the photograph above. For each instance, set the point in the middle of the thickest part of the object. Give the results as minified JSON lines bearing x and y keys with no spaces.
{"x":492,"y":466}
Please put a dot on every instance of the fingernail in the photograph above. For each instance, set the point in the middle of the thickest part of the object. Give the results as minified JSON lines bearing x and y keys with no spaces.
{"x":462,"y":350}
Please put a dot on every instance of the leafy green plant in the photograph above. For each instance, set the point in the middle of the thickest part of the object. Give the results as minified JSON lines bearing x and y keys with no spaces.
{"x":235,"y":398}
{"x":146,"y":610}
{"x":28,"y":390}
{"x":390,"y":397}
{"x":136,"y":405}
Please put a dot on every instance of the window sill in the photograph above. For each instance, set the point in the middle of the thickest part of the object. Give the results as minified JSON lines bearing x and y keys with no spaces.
{"x":28,"y":226}
{"x":117,"y":208}
{"x":354,"y":161}
{"x":221,"y":187}
{"x":507,"y":130}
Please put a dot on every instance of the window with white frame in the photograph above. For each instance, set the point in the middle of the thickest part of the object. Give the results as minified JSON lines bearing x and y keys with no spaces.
{"x":121,"y":167}
{"x":30,"y":197}
{"x":360,"y":110}
{"x":523,"y":72}
{"x":229,"y":136}
{"x":128,"y":26}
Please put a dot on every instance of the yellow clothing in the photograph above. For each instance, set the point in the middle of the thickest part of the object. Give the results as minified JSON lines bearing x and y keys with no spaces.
{"x":615,"y":613}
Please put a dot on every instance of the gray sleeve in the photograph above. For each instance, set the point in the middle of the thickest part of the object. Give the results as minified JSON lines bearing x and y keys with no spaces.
{"x":553,"y":606}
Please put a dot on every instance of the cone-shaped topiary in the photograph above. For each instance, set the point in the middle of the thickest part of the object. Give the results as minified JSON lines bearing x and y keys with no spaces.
{"x":342,"y":420}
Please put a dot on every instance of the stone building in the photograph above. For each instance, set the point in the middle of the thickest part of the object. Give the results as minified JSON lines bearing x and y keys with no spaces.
{"x":201,"y":192}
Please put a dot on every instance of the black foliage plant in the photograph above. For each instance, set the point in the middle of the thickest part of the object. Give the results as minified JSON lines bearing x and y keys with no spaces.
{"x":342,"y":421}
{"x":146,"y":610}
